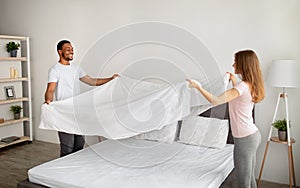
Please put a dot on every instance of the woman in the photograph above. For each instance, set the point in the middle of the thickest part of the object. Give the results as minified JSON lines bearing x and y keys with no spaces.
{"x":241,"y":99}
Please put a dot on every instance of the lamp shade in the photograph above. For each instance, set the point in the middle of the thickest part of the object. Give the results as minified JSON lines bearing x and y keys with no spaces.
{"x":284,"y":73}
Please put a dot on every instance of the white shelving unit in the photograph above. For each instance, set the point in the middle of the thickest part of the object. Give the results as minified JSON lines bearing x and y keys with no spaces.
{"x":22,"y":127}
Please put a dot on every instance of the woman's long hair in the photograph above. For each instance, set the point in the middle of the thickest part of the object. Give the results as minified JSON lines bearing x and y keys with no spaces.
{"x":247,"y":64}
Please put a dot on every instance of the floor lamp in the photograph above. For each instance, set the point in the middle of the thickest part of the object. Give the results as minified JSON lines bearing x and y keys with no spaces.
{"x":283,"y":74}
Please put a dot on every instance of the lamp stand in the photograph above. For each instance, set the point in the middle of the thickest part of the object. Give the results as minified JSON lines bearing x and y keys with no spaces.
{"x":289,"y":141}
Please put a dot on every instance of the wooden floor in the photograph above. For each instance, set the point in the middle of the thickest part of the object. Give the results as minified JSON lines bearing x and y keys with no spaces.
{"x":16,"y":160}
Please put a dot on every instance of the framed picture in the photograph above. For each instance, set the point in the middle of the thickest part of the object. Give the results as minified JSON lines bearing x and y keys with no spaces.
{"x":10,"y":92}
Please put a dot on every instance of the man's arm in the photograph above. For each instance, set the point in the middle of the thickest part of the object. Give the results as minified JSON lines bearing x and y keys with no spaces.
{"x":96,"y":81}
{"x":50,"y":92}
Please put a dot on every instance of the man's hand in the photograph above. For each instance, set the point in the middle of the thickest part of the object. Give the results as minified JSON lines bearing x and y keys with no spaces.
{"x":47,"y":102}
{"x":115,"y":76}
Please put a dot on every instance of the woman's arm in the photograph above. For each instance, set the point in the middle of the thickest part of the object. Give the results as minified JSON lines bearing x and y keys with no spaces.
{"x":216,"y":100}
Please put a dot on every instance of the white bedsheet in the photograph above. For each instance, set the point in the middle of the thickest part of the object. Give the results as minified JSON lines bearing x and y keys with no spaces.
{"x":125,"y":107}
{"x":132,"y":163}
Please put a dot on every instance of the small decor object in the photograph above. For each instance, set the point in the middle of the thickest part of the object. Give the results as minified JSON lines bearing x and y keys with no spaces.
{"x":281,"y":125}
{"x":1,"y":120}
{"x":13,"y":73}
{"x":12,"y":48}
{"x":16,"y":109}
{"x":9,"y":92}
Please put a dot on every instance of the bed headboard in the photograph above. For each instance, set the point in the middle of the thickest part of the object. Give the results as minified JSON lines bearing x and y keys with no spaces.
{"x":222,"y":112}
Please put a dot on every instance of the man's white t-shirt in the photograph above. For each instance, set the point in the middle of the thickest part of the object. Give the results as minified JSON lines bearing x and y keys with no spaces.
{"x":67,"y":80}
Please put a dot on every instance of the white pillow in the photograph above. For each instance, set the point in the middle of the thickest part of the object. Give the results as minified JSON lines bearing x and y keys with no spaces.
{"x":202,"y":131}
{"x":166,"y":134}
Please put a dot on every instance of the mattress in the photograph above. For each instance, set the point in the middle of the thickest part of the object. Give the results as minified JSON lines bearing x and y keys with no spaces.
{"x":137,"y":163}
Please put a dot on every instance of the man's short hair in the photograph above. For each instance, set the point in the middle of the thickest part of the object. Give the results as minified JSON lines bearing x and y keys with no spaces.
{"x":61,"y":43}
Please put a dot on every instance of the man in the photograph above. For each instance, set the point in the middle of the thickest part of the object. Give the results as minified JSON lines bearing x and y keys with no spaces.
{"x":63,"y":80}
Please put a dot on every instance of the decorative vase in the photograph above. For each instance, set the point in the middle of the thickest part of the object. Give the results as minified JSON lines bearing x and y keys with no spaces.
{"x":282,"y":135}
{"x":17,"y":115}
{"x":13,"y":53}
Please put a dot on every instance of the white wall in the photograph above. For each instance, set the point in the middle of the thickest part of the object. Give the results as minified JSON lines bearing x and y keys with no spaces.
{"x":270,"y":27}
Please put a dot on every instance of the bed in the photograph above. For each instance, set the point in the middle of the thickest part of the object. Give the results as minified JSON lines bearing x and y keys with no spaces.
{"x":136,"y":162}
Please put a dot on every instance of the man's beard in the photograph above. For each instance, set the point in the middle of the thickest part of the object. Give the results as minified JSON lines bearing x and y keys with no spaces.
{"x":67,"y":58}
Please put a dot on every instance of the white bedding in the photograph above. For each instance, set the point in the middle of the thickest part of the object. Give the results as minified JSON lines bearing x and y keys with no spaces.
{"x":133,"y":163}
{"x":125,"y":107}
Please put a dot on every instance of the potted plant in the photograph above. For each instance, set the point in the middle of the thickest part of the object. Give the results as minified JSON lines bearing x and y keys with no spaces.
{"x":12,"y":48}
{"x":16,"y":109}
{"x":281,"y":125}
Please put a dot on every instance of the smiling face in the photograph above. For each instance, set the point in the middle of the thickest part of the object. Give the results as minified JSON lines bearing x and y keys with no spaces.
{"x":66,"y":53}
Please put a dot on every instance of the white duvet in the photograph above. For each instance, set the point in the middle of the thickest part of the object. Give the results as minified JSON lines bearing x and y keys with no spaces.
{"x":125,"y":107}
{"x":132,"y":163}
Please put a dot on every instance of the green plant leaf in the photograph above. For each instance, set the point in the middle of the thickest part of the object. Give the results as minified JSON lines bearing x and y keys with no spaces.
{"x":281,"y":125}
{"x":15,"y":109}
{"x":12,"y":46}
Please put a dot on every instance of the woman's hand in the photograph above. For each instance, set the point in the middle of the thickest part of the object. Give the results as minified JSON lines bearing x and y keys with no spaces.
{"x":232,"y":78}
{"x":194,"y":83}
